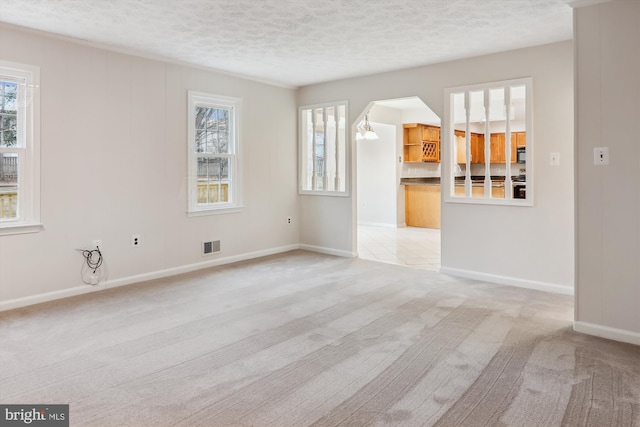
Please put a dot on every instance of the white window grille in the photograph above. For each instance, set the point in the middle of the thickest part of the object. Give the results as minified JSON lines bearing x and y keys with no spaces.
{"x":323,"y":149}
{"x":214,"y":153}
{"x":489,"y":143}
{"x":19,"y":148}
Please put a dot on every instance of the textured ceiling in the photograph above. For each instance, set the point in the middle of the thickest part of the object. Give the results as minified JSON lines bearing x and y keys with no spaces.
{"x":300,"y":42}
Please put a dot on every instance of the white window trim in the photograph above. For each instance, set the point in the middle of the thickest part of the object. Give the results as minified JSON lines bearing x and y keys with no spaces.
{"x":347,"y":152}
{"x":448,"y":153}
{"x":28,"y":220}
{"x":235,"y":205}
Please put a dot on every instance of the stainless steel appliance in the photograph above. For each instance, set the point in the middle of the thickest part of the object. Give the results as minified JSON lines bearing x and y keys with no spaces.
{"x":521,"y":154}
{"x":520,"y":187}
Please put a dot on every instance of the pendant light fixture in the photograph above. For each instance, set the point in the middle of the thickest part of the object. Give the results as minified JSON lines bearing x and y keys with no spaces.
{"x":365,"y":130}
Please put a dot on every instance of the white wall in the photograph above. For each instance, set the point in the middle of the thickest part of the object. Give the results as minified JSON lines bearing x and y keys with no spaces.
{"x":378,"y":172}
{"x":476,"y":240}
{"x":608,"y":197}
{"x":114,"y":163}
{"x":377,"y":181}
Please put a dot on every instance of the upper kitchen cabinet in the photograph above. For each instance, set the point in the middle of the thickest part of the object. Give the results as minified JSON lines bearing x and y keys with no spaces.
{"x":477,"y":147}
{"x":421,"y":143}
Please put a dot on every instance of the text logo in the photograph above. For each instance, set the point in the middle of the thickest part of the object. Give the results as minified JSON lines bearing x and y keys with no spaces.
{"x":34,"y":415}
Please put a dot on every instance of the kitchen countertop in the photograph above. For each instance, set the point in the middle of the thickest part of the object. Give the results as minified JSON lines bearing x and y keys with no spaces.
{"x":420,"y":181}
{"x":496,"y":181}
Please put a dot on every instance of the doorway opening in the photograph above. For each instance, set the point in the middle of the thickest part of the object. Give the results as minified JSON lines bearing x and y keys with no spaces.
{"x":398,"y":193}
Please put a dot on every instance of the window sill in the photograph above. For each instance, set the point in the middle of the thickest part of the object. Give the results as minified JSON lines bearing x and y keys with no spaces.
{"x":217,"y":211}
{"x":7,"y":230}
{"x":323,"y":193}
{"x":487,"y":201}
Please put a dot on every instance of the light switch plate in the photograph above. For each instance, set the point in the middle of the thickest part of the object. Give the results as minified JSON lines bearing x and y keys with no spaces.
{"x":601,"y":156}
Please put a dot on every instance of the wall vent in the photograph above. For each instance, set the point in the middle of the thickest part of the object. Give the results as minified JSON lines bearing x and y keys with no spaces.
{"x":211,"y":247}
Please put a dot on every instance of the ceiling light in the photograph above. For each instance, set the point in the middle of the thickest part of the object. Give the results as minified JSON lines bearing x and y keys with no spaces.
{"x":365,"y":130}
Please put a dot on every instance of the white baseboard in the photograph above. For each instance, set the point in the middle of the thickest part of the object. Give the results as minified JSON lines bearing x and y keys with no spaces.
{"x":79,"y":290}
{"x":328,"y":251}
{"x":506,"y":280}
{"x":378,"y":224}
{"x":607,"y":332}
{"x":382,"y":224}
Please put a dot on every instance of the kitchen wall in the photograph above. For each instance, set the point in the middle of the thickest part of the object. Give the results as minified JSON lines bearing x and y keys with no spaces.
{"x":424,"y":169}
{"x":377,"y":181}
{"x":114,"y":129}
{"x":496,"y":169}
{"x":477,"y":239}
{"x":608,"y":197}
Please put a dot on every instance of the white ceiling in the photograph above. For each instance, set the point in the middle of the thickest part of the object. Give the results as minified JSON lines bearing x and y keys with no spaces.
{"x":301,"y":42}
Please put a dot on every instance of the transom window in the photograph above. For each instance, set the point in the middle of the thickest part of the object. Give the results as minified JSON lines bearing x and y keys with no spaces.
{"x":322,"y":149}
{"x":490,"y":143}
{"x":213,"y":153}
{"x":19,"y":148}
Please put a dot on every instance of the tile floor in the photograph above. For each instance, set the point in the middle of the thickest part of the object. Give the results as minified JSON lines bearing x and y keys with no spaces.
{"x":415,"y":247}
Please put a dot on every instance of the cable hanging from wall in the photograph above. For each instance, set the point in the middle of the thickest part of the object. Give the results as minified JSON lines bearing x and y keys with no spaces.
{"x":90,"y":272}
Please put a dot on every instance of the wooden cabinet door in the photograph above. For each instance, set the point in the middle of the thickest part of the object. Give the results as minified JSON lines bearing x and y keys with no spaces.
{"x":422,"y":206}
{"x":430,"y":133}
{"x":461,"y":149}
{"x":497,"y":192}
{"x":497,"y":148}
{"x":477,"y":148}
{"x":514,"y":145}
{"x":521,"y":139}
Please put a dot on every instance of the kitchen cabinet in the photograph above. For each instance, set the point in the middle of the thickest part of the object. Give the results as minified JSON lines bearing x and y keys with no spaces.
{"x":478,"y":191}
{"x":498,"y":146}
{"x":430,"y":133}
{"x":477,"y":147}
{"x":421,"y":143}
{"x":461,"y":149}
{"x":422,"y":205}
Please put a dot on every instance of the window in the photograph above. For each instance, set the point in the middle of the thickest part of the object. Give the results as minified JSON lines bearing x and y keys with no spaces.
{"x":19,"y":149}
{"x":214,"y":146}
{"x":322,"y":149}
{"x":490,"y":143}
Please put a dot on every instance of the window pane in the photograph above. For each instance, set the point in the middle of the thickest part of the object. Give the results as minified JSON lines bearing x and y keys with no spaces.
{"x":213,"y":180}
{"x":223,"y":142}
{"x":223,"y":120}
{"x":212,"y":130}
{"x":8,"y":186}
{"x":323,"y":148}
{"x":8,"y":113}
{"x":477,"y":124}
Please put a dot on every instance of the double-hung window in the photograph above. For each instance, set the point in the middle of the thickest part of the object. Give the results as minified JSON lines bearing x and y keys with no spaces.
{"x":214,"y":148}
{"x":19,"y":148}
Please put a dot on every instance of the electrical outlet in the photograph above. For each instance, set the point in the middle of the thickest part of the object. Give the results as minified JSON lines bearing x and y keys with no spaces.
{"x":96,"y":244}
{"x":135,"y":240}
{"x":289,"y":220}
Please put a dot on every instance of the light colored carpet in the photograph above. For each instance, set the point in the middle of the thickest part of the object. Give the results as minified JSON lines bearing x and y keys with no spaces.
{"x":306,"y":339}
